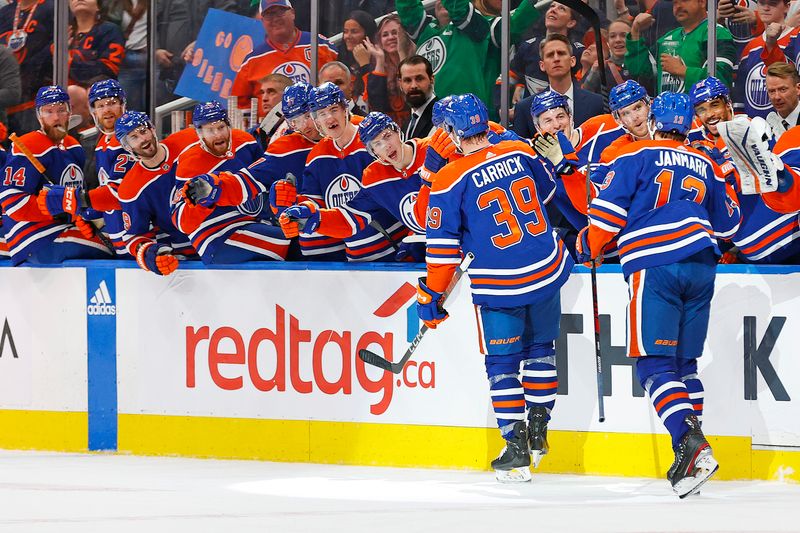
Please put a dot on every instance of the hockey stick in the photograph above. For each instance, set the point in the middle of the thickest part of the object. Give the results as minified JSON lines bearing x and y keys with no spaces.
{"x":43,"y":171}
{"x":374,"y":359}
{"x":591,"y":15}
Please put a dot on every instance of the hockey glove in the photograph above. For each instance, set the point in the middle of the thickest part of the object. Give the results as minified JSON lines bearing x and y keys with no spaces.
{"x":440,"y":149}
{"x":55,"y":200}
{"x":282,"y":194}
{"x":583,"y":251}
{"x":412,"y":252}
{"x":148,"y":258}
{"x":304,"y":217}
{"x":202,"y":190}
{"x":429,"y":305}
{"x":86,"y":228}
{"x":556,"y":148}
{"x":785,"y":179}
{"x":730,"y":257}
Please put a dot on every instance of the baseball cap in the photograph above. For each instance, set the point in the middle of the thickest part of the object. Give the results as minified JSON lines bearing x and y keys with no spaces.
{"x":266,"y":4}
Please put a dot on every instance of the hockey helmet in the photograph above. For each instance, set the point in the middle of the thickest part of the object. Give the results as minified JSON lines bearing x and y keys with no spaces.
{"x":129,"y":121}
{"x":547,"y":100}
{"x":708,"y":89}
{"x":50,"y":94}
{"x":106,"y":89}
{"x":625,"y":94}
{"x":437,"y":115}
{"x":671,"y":112}
{"x":466,"y":116}
{"x":324,"y":96}
{"x":208,"y":112}
{"x":372,"y":126}
{"x":295,"y":100}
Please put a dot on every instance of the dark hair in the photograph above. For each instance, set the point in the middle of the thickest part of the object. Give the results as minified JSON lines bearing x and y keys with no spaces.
{"x":416,"y":60}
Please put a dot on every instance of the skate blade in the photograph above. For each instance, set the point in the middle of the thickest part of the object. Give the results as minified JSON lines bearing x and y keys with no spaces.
{"x":521,"y":474}
{"x":705,"y":467}
{"x":536,"y":456}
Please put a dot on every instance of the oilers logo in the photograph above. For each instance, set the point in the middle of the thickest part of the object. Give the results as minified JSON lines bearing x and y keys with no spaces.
{"x":72,"y":176}
{"x":434,"y":51}
{"x":407,"y":213}
{"x":341,"y":190}
{"x":102,"y":177}
{"x":756,"y":88}
{"x":252,"y":207}
{"x":294,"y":70}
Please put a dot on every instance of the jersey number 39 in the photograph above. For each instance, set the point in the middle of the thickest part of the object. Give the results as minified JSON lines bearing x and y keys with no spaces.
{"x":523,"y":199}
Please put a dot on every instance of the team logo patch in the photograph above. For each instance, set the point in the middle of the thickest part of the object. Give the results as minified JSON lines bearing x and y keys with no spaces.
{"x":72,"y":176}
{"x":102,"y":177}
{"x":407,"y":212}
{"x":434,"y":51}
{"x":294,"y":70}
{"x":126,"y":221}
{"x":341,"y":190}
{"x":756,"y":88}
{"x":252,"y":207}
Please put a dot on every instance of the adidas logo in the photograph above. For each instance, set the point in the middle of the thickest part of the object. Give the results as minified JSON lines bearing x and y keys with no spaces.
{"x":100,"y":303}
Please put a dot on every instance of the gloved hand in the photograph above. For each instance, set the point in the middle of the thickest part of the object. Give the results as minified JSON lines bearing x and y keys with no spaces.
{"x":730,"y":257}
{"x":440,"y":149}
{"x":282,"y":194}
{"x":583,"y":251}
{"x":556,"y":148}
{"x":785,"y":179}
{"x":410,"y":252}
{"x":304,"y":217}
{"x":54,"y":200}
{"x":148,"y":258}
{"x":86,"y":228}
{"x":429,"y":305}
{"x":202,"y":190}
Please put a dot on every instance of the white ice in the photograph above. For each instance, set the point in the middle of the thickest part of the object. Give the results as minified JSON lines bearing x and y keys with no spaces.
{"x":52,"y":492}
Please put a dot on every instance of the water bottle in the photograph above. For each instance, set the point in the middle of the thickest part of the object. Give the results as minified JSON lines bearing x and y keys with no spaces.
{"x":669,"y":82}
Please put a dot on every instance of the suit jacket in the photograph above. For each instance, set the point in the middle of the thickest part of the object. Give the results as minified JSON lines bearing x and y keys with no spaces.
{"x":586,"y":106}
{"x":424,"y":125}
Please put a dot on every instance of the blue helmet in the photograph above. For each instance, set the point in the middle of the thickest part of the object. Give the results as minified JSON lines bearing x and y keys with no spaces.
{"x":106,"y":89}
{"x":129,"y":121}
{"x":708,"y":89}
{"x":295,"y":100}
{"x":466,"y":116}
{"x":373,"y":125}
{"x":547,"y":100}
{"x":672,"y":112}
{"x":625,"y":94}
{"x":208,"y":112}
{"x":325,"y":95}
{"x":437,"y":116}
{"x":50,"y":94}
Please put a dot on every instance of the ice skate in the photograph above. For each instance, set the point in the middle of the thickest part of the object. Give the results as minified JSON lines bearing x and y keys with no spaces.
{"x":513,"y":464}
{"x":694,"y":463}
{"x":537,"y":433}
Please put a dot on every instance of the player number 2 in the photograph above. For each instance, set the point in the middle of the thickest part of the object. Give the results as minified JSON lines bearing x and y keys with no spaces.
{"x":523,"y":199}
{"x":688,"y":184}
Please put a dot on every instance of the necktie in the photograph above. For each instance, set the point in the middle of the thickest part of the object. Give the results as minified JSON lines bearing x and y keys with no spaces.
{"x":785,"y":124}
{"x":411,"y":125}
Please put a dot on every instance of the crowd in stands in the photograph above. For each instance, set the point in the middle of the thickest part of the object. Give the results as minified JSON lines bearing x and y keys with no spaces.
{"x":392,"y":57}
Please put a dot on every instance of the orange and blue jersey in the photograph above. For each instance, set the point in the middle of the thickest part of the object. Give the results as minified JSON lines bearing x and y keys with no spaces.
{"x":293,"y":61}
{"x":492,"y":203}
{"x":787,"y":149}
{"x":384,"y":189}
{"x":332,"y":179}
{"x":146,"y":195}
{"x":26,"y":228}
{"x":596,"y":134}
{"x":749,"y":93}
{"x":96,"y":54}
{"x":112,"y":162}
{"x":664,"y":201}
{"x":208,"y":228}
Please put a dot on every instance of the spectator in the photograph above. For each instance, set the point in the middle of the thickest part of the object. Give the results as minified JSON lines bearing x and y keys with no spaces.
{"x":392,"y":46}
{"x":741,"y":19}
{"x":270,"y":125}
{"x":462,"y":45}
{"x":96,"y":51}
{"x":660,"y":12}
{"x":286,"y":50}
{"x":358,"y":26}
{"x":179,"y":22}
{"x":9,"y":82}
{"x":131,"y":16}
{"x":26,"y":26}
{"x":678,"y":60}
{"x":750,"y":88}
{"x":783,"y":89}
{"x":589,"y":75}
{"x":557,"y":62}
{"x":416,"y":82}
{"x":614,"y":49}
{"x":337,"y":73}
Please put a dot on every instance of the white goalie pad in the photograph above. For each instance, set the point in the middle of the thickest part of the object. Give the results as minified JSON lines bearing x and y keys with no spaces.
{"x":748,"y":145}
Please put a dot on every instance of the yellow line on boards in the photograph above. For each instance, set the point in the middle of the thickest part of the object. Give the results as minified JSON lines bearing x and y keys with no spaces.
{"x":44,"y":430}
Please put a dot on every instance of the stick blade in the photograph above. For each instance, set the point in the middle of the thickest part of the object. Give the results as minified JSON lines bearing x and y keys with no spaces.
{"x":371,"y":358}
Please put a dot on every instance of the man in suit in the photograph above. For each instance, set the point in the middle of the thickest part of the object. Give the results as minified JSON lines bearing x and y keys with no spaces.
{"x":557,"y":62}
{"x":416,"y":82}
{"x":783,"y":90}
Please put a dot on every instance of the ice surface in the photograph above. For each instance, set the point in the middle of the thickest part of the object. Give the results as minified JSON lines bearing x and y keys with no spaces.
{"x":118,"y":493}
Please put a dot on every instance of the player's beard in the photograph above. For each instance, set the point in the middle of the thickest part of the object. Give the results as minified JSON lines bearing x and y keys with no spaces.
{"x":149,"y":151}
{"x":56,"y":132}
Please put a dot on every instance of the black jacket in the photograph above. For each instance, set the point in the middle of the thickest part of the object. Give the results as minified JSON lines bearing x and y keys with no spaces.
{"x":586,"y":106}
